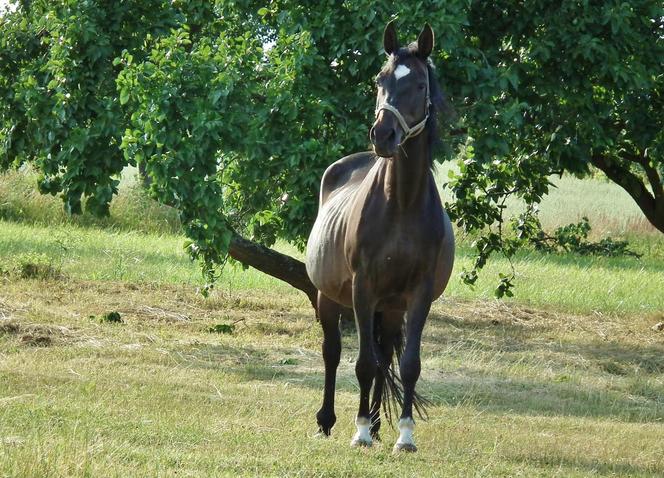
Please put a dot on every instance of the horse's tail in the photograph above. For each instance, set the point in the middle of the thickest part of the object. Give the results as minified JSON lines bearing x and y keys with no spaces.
{"x":392,"y":385}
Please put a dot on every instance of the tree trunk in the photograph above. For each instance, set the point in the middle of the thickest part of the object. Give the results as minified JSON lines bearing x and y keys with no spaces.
{"x":273,"y":263}
{"x":146,"y":180}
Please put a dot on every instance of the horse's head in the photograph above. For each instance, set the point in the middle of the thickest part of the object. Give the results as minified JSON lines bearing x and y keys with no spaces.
{"x":403,"y":101}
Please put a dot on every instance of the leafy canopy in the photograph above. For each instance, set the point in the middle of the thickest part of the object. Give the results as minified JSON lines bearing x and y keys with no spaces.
{"x":236,"y":108}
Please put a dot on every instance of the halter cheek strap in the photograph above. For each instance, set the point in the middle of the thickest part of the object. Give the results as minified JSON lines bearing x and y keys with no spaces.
{"x":409,"y":131}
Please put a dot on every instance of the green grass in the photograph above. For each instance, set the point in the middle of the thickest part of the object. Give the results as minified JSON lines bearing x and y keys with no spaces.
{"x":515,"y":391}
{"x":566,"y":379}
{"x":564,"y":282}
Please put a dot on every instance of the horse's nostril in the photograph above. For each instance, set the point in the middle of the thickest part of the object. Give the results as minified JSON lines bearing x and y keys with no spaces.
{"x":372,"y":134}
{"x":392,"y":135}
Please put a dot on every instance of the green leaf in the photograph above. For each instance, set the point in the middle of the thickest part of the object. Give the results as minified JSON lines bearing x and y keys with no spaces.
{"x":124,"y":96}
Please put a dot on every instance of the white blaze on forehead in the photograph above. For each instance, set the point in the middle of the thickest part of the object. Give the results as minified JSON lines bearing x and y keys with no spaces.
{"x":401,"y":71}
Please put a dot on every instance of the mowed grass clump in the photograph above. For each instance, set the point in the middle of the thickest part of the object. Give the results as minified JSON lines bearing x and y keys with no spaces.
{"x":515,"y":390}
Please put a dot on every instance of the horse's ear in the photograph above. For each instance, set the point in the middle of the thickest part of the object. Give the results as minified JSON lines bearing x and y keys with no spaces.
{"x":390,"y":42}
{"x":425,"y":42}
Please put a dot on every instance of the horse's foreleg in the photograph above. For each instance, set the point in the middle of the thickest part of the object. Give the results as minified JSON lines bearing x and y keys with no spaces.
{"x":329,"y":313}
{"x":365,"y":367}
{"x":410,"y":366}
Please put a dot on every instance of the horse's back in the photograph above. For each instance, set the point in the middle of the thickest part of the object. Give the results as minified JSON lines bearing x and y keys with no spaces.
{"x":347,"y":172}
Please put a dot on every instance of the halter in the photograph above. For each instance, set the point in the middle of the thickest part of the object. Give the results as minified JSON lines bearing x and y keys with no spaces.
{"x":409,"y":131}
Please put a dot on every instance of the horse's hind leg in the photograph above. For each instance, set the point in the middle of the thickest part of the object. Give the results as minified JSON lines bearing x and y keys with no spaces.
{"x":329,"y":312}
{"x":388,"y":335}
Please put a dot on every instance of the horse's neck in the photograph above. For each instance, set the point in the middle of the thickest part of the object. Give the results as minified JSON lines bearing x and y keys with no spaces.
{"x":407,"y":175}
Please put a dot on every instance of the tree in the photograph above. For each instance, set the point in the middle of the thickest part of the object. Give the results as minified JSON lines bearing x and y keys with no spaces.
{"x":577,"y":84}
{"x":235,"y":110}
{"x":58,"y":101}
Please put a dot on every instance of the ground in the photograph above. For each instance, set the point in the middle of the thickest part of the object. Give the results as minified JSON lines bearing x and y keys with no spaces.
{"x":515,"y":390}
{"x":567,"y":379}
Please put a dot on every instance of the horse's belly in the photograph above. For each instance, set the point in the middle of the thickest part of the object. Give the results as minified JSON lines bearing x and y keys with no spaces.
{"x":445,"y":261}
{"x":326,"y":264}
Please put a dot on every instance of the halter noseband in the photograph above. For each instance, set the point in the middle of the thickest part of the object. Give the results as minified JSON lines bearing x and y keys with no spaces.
{"x":409,"y":131}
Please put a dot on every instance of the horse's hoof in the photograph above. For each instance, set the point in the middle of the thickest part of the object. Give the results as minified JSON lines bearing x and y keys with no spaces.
{"x":404,"y":447}
{"x":360,"y":442}
{"x":323,"y":432}
{"x":320,"y":434}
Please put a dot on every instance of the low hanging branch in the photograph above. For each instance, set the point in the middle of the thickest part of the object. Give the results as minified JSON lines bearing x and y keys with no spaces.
{"x":273,"y":263}
{"x":281,"y":266}
{"x":650,"y":203}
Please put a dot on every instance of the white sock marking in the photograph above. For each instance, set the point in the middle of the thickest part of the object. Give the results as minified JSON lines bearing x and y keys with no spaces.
{"x":362,"y":434}
{"x":406,"y":429}
{"x":401,"y":71}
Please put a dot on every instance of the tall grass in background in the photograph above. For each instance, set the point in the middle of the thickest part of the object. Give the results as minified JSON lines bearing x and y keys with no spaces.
{"x":610,"y":209}
{"x":131,"y":210}
{"x":141,"y":242}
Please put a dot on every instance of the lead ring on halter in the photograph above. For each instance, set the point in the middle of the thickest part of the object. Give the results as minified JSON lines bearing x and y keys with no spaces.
{"x":409,"y":131}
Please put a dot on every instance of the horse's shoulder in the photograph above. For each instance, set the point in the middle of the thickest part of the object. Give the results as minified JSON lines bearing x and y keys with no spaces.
{"x":352,"y":168}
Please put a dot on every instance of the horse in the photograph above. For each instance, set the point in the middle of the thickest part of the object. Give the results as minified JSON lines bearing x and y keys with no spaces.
{"x":383,"y":244}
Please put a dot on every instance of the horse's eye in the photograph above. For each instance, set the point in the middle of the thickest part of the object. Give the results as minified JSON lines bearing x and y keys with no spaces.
{"x":421,"y":86}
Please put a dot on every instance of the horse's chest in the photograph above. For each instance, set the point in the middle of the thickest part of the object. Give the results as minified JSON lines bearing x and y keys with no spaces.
{"x":397,"y":255}
{"x":399,"y":248}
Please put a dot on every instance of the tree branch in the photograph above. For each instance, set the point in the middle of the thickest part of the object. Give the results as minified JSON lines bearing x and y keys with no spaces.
{"x":652,"y":206}
{"x":652,"y":174}
{"x":273,"y":263}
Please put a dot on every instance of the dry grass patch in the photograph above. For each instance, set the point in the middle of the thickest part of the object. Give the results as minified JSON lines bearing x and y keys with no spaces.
{"x":515,"y":390}
{"x":37,"y":335}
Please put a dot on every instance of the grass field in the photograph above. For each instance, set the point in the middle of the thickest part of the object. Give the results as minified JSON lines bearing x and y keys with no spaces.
{"x":566,"y":379}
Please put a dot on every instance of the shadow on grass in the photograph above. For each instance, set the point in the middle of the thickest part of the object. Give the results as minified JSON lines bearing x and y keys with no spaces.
{"x":491,"y":393}
{"x":513,"y":336}
{"x":588,"y":467}
{"x":628,"y":394}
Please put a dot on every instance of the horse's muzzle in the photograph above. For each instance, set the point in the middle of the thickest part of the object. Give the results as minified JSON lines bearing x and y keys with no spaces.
{"x":385,"y":137}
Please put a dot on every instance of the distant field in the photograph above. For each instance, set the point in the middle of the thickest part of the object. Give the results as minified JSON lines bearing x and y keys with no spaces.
{"x":141,"y":243}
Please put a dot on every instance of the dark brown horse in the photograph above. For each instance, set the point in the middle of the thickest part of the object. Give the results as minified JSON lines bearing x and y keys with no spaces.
{"x":382,"y":243}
